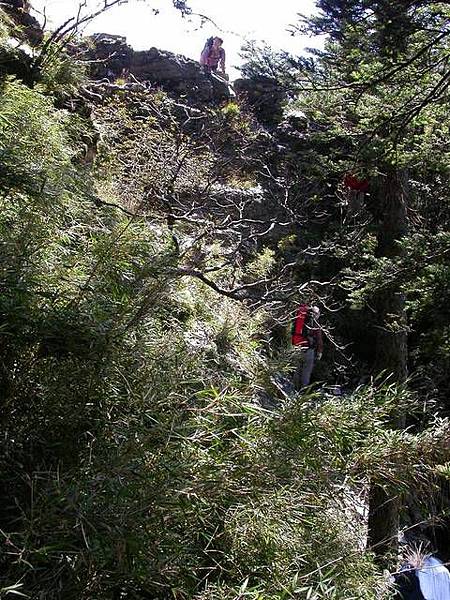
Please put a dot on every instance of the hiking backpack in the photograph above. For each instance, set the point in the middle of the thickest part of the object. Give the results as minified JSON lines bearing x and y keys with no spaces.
{"x":300,"y":326}
{"x":208,"y":44}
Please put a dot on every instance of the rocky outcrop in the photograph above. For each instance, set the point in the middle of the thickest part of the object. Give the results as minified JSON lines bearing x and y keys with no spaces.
{"x":25,"y":31}
{"x":19,"y":11}
{"x":175,"y":74}
{"x":110,"y":54}
{"x":15,"y":62}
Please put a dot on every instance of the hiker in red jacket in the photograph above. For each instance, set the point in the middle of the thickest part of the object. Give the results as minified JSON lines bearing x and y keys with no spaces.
{"x":307,"y":335}
{"x":213,"y":55}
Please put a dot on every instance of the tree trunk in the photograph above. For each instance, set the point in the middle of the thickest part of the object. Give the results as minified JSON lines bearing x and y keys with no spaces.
{"x":391,"y":353}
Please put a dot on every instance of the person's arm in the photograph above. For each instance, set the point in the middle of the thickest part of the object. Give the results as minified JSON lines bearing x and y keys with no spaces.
{"x":204,"y":57}
{"x":319,"y":341}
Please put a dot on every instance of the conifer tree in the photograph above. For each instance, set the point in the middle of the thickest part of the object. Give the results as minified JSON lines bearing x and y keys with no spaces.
{"x":379,"y":84}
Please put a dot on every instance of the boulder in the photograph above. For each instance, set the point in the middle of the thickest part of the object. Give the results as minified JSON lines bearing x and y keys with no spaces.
{"x":16,"y":62}
{"x":110,"y":55}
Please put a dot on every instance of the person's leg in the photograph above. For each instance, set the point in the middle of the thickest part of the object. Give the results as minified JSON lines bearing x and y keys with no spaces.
{"x":299,"y":354}
{"x":308,"y":366}
{"x":298,"y":373}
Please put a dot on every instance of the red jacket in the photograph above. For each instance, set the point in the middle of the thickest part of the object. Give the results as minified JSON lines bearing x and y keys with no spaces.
{"x":304,"y":335}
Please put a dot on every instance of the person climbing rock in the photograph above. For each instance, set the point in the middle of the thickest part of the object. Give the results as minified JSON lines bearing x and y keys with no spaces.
{"x":213,"y":55}
{"x":307,"y":337}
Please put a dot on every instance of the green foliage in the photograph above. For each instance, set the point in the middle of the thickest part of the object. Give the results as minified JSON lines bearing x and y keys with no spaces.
{"x":260,"y":60}
{"x":262,"y":264}
{"x":231,"y":110}
{"x":5,"y":28}
{"x":136,"y":458}
{"x":61,"y":75}
{"x":373,"y":105}
{"x":35,"y":141}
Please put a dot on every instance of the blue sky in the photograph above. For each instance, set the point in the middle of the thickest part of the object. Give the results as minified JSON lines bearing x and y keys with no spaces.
{"x":235,"y":20}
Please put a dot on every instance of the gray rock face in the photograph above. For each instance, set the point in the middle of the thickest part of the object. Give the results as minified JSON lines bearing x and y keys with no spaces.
{"x":174,"y":73}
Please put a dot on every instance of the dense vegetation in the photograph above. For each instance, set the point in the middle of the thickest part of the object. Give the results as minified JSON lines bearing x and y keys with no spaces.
{"x":152,"y":254}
